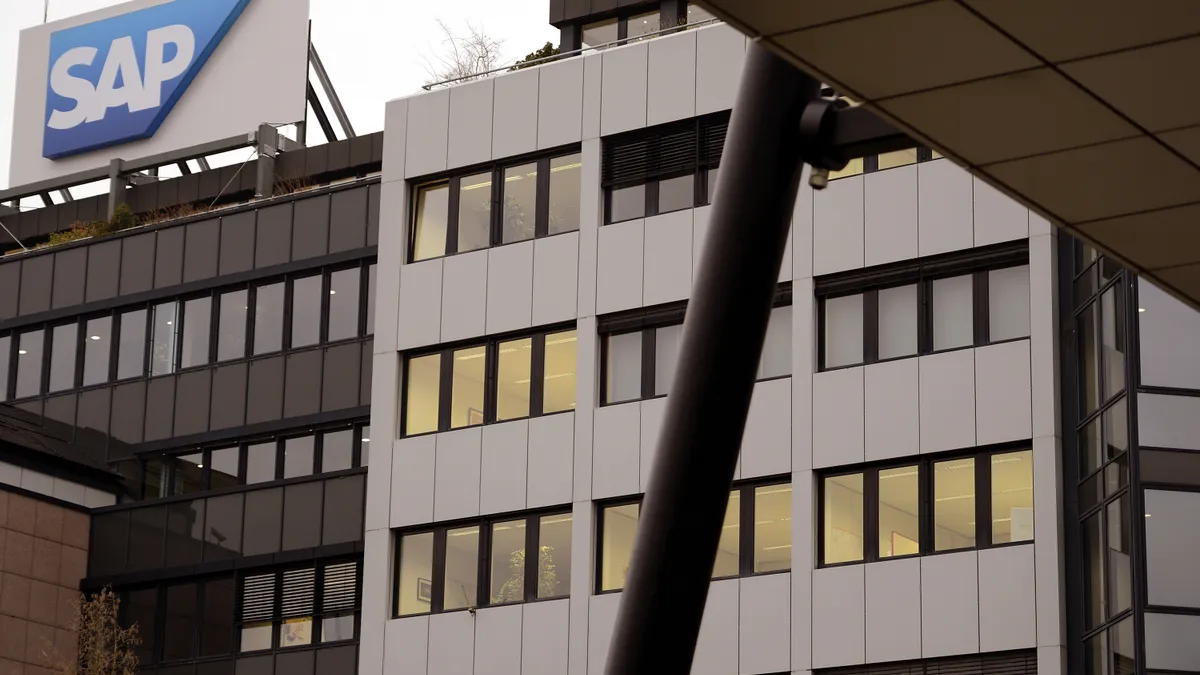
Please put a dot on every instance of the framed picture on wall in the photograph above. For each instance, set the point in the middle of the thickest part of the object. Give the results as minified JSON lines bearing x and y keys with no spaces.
{"x":424,"y":590}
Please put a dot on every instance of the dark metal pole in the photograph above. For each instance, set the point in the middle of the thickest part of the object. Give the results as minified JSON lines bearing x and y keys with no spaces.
{"x":680,"y":521}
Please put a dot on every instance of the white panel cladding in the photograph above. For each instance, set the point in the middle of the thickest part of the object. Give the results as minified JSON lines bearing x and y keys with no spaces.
{"x":803,"y":557}
{"x":10,"y":474}
{"x":393,"y":229}
{"x":451,"y":643}
{"x":95,"y":499}
{"x":671,"y":90}
{"x":767,"y":441}
{"x":510,"y":287}
{"x":591,"y":203}
{"x":427,"y":132}
{"x":583,"y":517}
{"x":838,"y":226}
{"x":69,"y":491}
{"x":515,"y":116}
{"x":544,"y":635}
{"x":498,"y":638}
{"x":407,"y":647}
{"x":456,"y":476}
{"x":470,"y":123}
{"x":1002,"y":393}
{"x":1047,"y":551}
{"x":893,"y":417}
{"x":802,"y":226}
{"x":652,"y":414}
{"x":765,"y":630}
{"x":464,"y":295}
{"x":700,"y":219}
{"x":1052,"y":660}
{"x":947,"y":385}
{"x":720,"y":55}
{"x":1168,"y":421}
{"x":551,"y":459}
{"x":839,"y":616}
{"x":420,"y":307}
{"x":1043,"y":326}
{"x":560,"y":103}
{"x":616,"y":450}
{"x":1038,"y":225}
{"x":838,"y":425}
{"x":593,"y":69}
{"x":785,"y":267}
{"x":623,"y":95}
{"x":602,"y":618}
{"x":944,"y":208}
{"x":414,"y":462}
{"x":949,"y":604}
{"x":502,"y":484}
{"x":587,"y":366}
{"x":803,"y":362}
{"x":555,"y":278}
{"x":997,"y":217}
{"x":1007,"y":619}
{"x":717,"y":645}
{"x":377,"y":547}
{"x":890,"y":215}
{"x":893,"y":602}
{"x":384,"y":371}
{"x":395,"y":119}
{"x":619,"y":266}
{"x":669,"y":248}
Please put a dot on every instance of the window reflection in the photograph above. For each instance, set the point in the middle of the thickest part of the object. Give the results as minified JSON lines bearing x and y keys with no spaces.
{"x":343,"y":304}
{"x":1012,"y":497}
{"x":197,"y":320}
{"x":506,"y":575}
{"x":558,"y":392}
{"x":843,"y":526}
{"x":421,"y":397}
{"x":564,"y":193}
{"x":620,"y":530}
{"x":474,"y":212}
{"x":554,"y":556}
{"x":462,"y":560}
{"x":433,"y":203}
{"x":899,"y":512}
{"x":520,"y":202}
{"x":512,"y":379}
{"x":231,"y":342}
{"x":29,"y":363}
{"x":162,"y":354}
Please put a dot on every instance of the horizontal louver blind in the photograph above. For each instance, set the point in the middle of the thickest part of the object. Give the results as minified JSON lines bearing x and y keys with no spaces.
{"x":1022,"y":662}
{"x":298,"y":592}
{"x":712,"y":140}
{"x":258,"y":598}
{"x":664,"y":150}
{"x":339,"y":591}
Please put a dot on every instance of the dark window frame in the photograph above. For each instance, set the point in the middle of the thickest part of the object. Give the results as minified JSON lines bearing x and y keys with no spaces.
{"x":317,"y":616}
{"x":982,"y":457}
{"x":483,"y":562}
{"x":160,"y":616}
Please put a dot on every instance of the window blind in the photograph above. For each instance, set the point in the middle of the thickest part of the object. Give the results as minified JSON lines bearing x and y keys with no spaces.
{"x":340,"y":584}
{"x":258,"y":598}
{"x":1021,"y":662}
{"x":298,"y":592}
{"x":664,"y":150}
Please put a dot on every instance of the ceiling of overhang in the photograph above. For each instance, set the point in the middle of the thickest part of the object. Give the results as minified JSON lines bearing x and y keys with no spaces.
{"x":1087,"y":111}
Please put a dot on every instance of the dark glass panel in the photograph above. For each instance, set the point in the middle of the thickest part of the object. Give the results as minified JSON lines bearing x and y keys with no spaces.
{"x":268,"y":318}
{"x":185,"y":532}
{"x":216,"y":633}
{"x":343,"y":303}
{"x":109,"y":541}
{"x":306,"y":311}
{"x":302,"y":516}
{"x":264,"y":521}
{"x":97,"y":346}
{"x":343,"y":519}
{"x":260,"y":462}
{"x":223,"y":527}
{"x":182,"y":617}
{"x":146,"y":538}
{"x":131,"y":352}
{"x":337,"y":450}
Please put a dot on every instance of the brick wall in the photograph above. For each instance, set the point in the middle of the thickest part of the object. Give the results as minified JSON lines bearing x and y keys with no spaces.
{"x":43,"y":556}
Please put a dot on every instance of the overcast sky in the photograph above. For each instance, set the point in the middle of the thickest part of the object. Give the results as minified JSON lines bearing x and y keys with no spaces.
{"x":372,"y":48}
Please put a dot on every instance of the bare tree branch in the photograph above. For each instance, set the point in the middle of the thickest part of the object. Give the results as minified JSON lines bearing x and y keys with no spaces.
{"x":462,"y":57}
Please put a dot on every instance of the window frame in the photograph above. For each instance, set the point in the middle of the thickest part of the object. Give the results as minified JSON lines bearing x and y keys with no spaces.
{"x":746,"y":523}
{"x":483,"y":561}
{"x":982,"y":457}
{"x":496,"y":170}
{"x":317,"y":616}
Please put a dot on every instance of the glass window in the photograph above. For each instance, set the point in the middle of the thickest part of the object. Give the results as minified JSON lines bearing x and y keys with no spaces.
{"x":260,"y":462}
{"x":371,"y":299}
{"x":415,"y":588}
{"x":520,"y":202}
{"x":1120,"y":575}
{"x":337,"y":450}
{"x":890,"y":160}
{"x":954,"y":504}
{"x":162,"y":355}
{"x":335,"y":627}
{"x":197,"y":320}
{"x":474,"y":212}
{"x":953,"y":316}
{"x":1113,"y":340}
{"x":642,"y":24}
{"x":466,"y":393}
{"x":1012,"y":497}
{"x":295,"y":632}
{"x":1095,"y":654}
{"x":1008,"y":303}
{"x":64,"y":340}
{"x":853,"y":168}
{"x":776,"y":359}
{"x":180,"y":629}
{"x":224,"y":467}
{"x":131,"y":352}
{"x":512,"y":379}
{"x":29,"y":363}
{"x":620,"y":530}
{"x":898,"y":316}
{"x":257,"y":636}
{"x":306,"y":311}
{"x":1089,"y":358}
{"x":231,"y":342}
{"x":507,"y":568}
{"x":1171,"y":532}
{"x":364,"y":449}
{"x":1165,"y":325}
{"x":666,"y":357}
{"x":676,"y":193}
{"x":623,"y":374}
{"x":421,"y":396}
{"x":1093,"y":583}
{"x":728,"y":560}
{"x":1091,"y":449}
{"x":711,"y":180}
{"x":843,"y":331}
{"x":843,"y":524}
{"x":558,"y":392}
{"x":5,"y":351}
{"x":217,"y":631}
{"x":627,"y":203}
{"x":429,"y":236}
{"x":1120,"y":638}
{"x":600,"y":33}
{"x":268,"y":318}
{"x":462,"y":565}
{"x":298,"y":457}
{"x":1180,"y":468}
{"x":155,"y":479}
{"x":1116,"y":430}
{"x":564,"y":193}
{"x":554,"y":556}
{"x":899,"y":512}
{"x":96,"y":350}
{"x":223,"y":526}
{"x":187,"y":473}
{"x":343,"y":303}
{"x":772,"y":528}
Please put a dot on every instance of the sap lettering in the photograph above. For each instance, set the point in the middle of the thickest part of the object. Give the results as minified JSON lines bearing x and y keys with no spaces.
{"x":136,"y":91}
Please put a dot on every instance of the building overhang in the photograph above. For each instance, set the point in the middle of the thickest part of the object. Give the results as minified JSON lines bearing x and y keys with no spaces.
{"x":1086,"y":111}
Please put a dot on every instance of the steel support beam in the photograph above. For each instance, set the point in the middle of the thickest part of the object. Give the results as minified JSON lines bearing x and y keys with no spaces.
{"x":330,"y":93}
{"x":681,"y":517}
{"x":319,"y":113}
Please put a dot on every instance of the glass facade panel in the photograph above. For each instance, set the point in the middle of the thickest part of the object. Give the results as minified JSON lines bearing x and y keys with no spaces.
{"x":421,"y":395}
{"x":776,"y":359}
{"x":558,"y":391}
{"x":1116,"y":430}
{"x":474,"y":212}
{"x":953,"y":317}
{"x":343,"y":304}
{"x":843,"y":331}
{"x":1165,"y":344}
{"x":1171,"y":643}
{"x":224,"y":467}
{"x":1180,"y":468}
{"x":728,"y":548}
{"x":298,"y":457}
{"x":1120,"y":638}
{"x":1120,"y":574}
{"x":337,"y":451}
{"x":554,"y":556}
{"x":64,"y":340}
{"x":29,"y":363}
{"x":97,"y":347}
{"x":1012,"y":497}
{"x":306,"y":311}
{"x":197,"y":321}
{"x":371,"y":275}
{"x":599,"y":33}
{"x":1172,"y":530}
{"x":642,"y":24}
{"x":772,"y":528}
{"x":676,"y":193}
{"x":666,"y":357}
{"x":623,"y":376}
{"x":467,"y":388}
{"x":520,"y":203}
{"x":162,"y":353}
{"x":899,"y":512}
{"x":1094,"y":603}
{"x":462,"y":568}
{"x":131,"y":352}
{"x":513,"y":379}
{"x":898,"y":316}
{"x":627,"y":203}
{"x":5,"y":351}
{"x":1089,"y":358}
{"x":1008,"y":303}
{"x":429,"y":232}
{"x":506,"y":575}
{"x":954,"y":504}
{"x":187,"y":472}
{"x":843,"y":526}
{"x":180,"y":628}
{"x":1112,"y":339}
{"x":620,"y":530}
{"x":216,"y":635}
{"x":268,"y":318}
{"x":565,"y":173}
{"x":1091,"y":449}
{"x":1095,"y":655}
{"x":231,"y":338}
{"x":260,"y":462}
{"x":223,"y":527}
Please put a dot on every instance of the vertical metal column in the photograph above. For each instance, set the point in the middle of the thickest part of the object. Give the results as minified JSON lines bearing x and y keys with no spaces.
{"x":680,"y":522}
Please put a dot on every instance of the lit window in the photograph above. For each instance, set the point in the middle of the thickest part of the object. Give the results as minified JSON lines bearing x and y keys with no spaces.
{"x":843,"y":524}
{"x":433,"y":204}
{"x":899,"y":512}
{"x":462,"y":560}
{"x":726,"y":564}
{"x":616,"y":548}
{"x":773,"y":528}
{"x":558,"y":391}
{"x":1012,"y":497}
{"x":512,"y":379}
{"x":954,"y":504}
{"x":474,"y":212}
{"x":466,"y":403}
{"x":519,"y":203}
{"x":424,"y":383}
{"x":415,"y":572}
{"x":565,"y":177}
{"x":643,"y":24}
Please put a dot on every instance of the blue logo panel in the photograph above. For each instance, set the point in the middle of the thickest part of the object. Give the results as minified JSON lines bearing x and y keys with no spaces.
{"x":115,"y":80}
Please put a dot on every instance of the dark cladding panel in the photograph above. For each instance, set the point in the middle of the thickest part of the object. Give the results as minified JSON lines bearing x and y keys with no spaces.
{"x":336,"y":660}
{"x":137,"y":263}
{"x":256,"y":665}
{"x":348,"y":220}
{"x":264,"y":521}
{"x":364,"y":397}
{"x":303,"y":384}
{"x":36,"y":278}
{"x":185,"y":532}
{"x":70,"y":271}
{"x":200,"y":250}
{"x":237,"y":242}
{"x":343,"y":509}
{"x":128,"y":409}
{"x":339,"y":388}
{"x":191,"y":402}
{"x":61,"y":409}
{"x":302,"y":516}
{"x":160,"y":408}
{"x":103,"y":270}
{"x":339,"y":155}
{"x":360,"y":150}
{"x":228,"y":397}
{"x":147,"y":536}
{"x":223,"y":527}
{"x":189,"y":188}
{"x":373,"y":195}
{"x":168,"y":260}
{"x":310,"y":231}
{"x":273,"y":239}
{"x":10,"y":284}
{"x":265,"y":400}
{"x":93,"y":409}
{"x":168,"y":193}
{"x":294,"y":663}
{"x":110,"y":539}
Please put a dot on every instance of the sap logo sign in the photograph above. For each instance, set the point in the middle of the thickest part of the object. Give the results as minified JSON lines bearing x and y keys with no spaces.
{"x":115,"y":80}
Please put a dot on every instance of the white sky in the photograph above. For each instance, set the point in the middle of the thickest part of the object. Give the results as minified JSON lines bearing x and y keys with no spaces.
{"x":372,"y":48}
